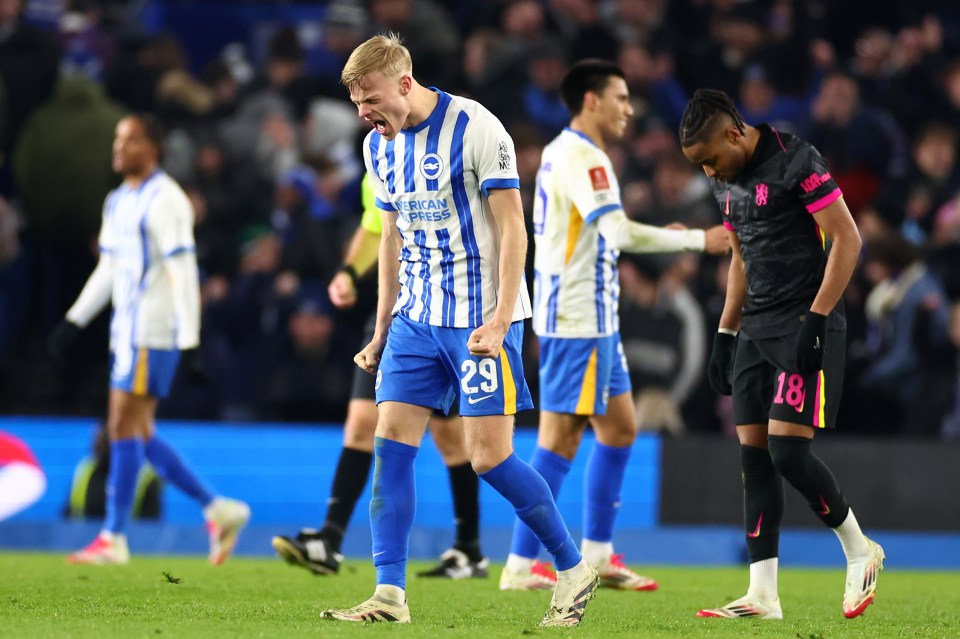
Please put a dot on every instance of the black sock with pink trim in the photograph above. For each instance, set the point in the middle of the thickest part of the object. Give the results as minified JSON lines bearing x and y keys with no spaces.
{"x":809,"y":475}
{"x":762,"y":503}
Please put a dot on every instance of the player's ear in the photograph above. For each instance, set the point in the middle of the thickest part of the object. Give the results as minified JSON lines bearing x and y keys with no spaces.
{"x":588,"y":99}
{"x":406,"y":83}
{"x":733,"y":134}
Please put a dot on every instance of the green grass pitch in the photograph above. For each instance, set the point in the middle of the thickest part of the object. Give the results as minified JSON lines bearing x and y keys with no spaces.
{"x":42,"y":596}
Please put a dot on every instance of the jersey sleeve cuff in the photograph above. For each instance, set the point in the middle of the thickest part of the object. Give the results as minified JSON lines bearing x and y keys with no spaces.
{"x":824,"y":202}
{"x":728,"y":226}
{"x":178,"y":250}
{"x":386,"y":206}
{"x":499,"y":183}
{"x":603,"y":210}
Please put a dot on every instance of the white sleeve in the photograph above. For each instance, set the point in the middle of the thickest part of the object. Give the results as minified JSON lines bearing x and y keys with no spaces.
{"x":633,"y":237}
{"x":380,"y":195}
{"x":181,"y":268}
{"x":494,"y":158}
{"x":170,"y":224}
{"x":96,"y":293}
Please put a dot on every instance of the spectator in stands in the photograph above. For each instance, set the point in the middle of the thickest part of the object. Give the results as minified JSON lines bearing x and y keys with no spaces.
{"x":902,"y":286}
{"x":29,"y":59}
{"x":429,"y":35}
{"x":664,"y":338}
{"x":863,"y":145}
{"x":911,"y":202}
{"x":62,"y":164}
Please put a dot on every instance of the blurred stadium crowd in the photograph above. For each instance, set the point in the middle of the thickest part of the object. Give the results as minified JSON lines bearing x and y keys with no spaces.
{"x":267,"y":147}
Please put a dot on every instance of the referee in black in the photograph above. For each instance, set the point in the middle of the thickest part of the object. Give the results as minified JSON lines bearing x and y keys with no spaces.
{"x":779,"y":349}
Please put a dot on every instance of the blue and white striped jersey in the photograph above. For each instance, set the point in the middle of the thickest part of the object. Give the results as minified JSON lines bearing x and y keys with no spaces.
{"x":435,"y":176}
{"x":141,"y":227}
{"x":576,"y":285}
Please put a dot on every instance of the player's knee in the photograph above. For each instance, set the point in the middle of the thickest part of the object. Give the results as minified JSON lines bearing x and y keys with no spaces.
{"x":618,"y":433}
{"x":563,"y":439}
{"x":789,"y":455}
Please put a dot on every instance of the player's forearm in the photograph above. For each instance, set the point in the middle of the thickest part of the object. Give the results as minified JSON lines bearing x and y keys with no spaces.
{"x":363,"y":251}
{"x":736,"y":295}
{"x":95,"y":295}
{"x":185,"y":285}
{"x":508,"y":213}
{"x":624,"y":235}
{"x":389,"y":281}
{"x":513,"y":251}
{"x":840,"y":266}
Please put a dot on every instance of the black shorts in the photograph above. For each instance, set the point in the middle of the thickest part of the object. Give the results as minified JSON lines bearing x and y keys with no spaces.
{"x":364,"y":384}
{"x":766,"y":386}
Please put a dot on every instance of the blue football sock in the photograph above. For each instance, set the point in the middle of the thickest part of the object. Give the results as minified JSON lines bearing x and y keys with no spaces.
{"x":126,"y":457}
{"x":602,"y":484}
{"x":171,"y":468}
{"x":553,"y":468}
{"x":392,"y":507}
{"x":530,"y":496}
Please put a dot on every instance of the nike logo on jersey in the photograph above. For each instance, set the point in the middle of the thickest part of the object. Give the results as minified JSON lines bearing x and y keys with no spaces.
{"x":756,"y":532}
{"x":474,"y":400}
{"x":803,"y":401}
{"x":826,"y":509}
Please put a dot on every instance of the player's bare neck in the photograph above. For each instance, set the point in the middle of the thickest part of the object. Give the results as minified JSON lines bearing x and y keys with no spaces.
{"x":422,"y":103}
{"x":134,"y":179}
{"x":589,"y":129}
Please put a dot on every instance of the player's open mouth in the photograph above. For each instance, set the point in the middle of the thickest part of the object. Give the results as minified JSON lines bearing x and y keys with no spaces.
{"x":379,"y":125}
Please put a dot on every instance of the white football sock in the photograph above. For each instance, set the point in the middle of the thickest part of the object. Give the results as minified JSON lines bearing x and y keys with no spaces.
{"x":597,"y":553}
{"x":851,"y":537}
{"x":390,"y":594}
{"x":517,"y":564}
{"x":763,"y":579}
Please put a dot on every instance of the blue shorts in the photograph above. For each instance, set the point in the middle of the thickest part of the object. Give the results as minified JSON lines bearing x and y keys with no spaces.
{"x":143,"y":371}
{"x":578,"y":376}
{"x":430,"y":366}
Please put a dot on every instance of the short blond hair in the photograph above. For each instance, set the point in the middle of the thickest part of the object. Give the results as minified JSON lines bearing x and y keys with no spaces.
{"x":383,"y":53}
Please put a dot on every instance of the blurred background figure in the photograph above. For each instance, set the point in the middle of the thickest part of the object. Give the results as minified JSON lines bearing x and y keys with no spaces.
{"x":664,"y":337}
{"x":88,"y":490}
{"x":906,"y":301}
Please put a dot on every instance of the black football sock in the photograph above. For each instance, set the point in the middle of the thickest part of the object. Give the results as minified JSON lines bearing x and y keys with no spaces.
{"x":353,"y":469}
{"x":762,"y":503}
{"x":805,"y":472}
{"x":465,"y":488}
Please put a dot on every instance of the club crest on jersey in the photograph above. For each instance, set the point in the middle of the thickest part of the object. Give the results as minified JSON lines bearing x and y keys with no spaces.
{"x":762,"y":192}
{"x":598,"y":178}
{"x":431,"y":166}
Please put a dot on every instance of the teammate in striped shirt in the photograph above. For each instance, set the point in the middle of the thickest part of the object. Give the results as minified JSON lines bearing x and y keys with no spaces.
{"x":148,"y":269}
{"x":580,"y":228}
{"x":449,"y":318}
{"x":319,"y":550}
